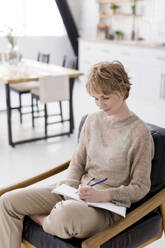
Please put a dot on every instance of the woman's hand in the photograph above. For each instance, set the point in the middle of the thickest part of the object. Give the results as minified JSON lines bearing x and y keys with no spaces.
{"x":89,"y":194}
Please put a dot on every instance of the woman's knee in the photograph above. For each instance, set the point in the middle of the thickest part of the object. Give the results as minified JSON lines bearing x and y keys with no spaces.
{"x":63,"y":220}
{"x":5,"y":201}
{"x":10,"y":199}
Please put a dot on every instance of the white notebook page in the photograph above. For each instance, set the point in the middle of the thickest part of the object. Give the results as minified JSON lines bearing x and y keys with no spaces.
{"x":71,"y":192}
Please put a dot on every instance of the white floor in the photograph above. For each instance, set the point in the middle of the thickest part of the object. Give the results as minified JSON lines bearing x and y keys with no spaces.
{"x":29,"y":159}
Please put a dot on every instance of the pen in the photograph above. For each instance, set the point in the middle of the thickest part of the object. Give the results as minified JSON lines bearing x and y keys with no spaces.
{"x":93,"y":184}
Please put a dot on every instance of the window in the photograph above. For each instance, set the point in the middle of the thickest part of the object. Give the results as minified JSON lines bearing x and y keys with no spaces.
{"x":32,"y":17}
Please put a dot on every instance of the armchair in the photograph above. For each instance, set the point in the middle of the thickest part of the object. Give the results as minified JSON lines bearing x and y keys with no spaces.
{"x":143,"y":224}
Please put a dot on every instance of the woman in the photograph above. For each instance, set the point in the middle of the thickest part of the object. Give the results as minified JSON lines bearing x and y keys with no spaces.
{"x":114,"y":143}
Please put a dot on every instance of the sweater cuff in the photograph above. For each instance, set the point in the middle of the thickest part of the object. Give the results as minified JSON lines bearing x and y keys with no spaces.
{"x":119,"y":198}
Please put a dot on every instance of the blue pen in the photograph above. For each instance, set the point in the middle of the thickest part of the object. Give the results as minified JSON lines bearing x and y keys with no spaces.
{"x":101,"y":181}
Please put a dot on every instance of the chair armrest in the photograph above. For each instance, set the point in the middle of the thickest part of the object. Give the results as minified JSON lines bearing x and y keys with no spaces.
{"x":36,"y":179}
{"x":101,"y":237}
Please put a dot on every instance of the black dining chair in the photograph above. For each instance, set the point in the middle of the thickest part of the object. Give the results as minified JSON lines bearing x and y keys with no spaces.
{"x":25,"y":88}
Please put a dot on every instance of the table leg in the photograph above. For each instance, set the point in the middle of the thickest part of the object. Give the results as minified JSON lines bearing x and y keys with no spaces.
{"x":8,"y":104}
{"x":71,"y":117}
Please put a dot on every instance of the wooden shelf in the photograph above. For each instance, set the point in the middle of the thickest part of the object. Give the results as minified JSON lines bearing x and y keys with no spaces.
{"x":115,"y":1}
{"x":117,"y":15}
{"x":112,"y":1}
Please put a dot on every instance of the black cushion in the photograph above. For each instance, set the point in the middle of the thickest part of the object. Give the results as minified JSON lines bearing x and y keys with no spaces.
{"x":34,"y":233}
{"x":158,"y":164}
{"x":158,"y":168}
{"x":132,"y":237}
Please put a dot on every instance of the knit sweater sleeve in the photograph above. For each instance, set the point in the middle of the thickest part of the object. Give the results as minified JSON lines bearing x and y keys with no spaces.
{"x":77,"y":165}
{"x":141,"y":153}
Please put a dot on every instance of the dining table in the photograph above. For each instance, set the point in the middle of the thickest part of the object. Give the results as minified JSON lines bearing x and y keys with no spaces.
{"x":30,"y":70}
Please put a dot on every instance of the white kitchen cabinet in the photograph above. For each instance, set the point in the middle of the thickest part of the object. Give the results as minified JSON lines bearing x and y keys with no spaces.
{"x":150,"y":84}
{"x":93,"y":52}
{"x":152,"y":80}
{"x":160,"y":69}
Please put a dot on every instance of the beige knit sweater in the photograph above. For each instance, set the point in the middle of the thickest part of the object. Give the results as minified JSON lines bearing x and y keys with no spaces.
{"x":121,"y":151}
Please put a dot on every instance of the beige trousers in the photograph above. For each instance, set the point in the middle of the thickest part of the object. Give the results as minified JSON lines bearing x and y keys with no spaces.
{"x":65,"y":219}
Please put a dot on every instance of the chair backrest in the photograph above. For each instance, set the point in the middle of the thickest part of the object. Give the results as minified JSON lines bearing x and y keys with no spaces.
{"x":43,"y":57}
{"x":70,"y":62}
{"x":54,"y":88}
{"x":158,"y":165}
{"x":158,"y":162}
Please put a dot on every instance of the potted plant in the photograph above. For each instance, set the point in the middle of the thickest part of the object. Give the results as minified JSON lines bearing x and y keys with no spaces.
{"x":133,"y":7}
{"x":113,"y":8}
{"x":119,"y":34}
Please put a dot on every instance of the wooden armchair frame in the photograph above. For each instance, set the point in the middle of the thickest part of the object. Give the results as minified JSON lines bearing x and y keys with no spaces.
{"x":101,"y":237}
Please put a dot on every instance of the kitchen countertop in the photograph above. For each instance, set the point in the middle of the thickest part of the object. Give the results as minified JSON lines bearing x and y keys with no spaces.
{"x":136,"y":43}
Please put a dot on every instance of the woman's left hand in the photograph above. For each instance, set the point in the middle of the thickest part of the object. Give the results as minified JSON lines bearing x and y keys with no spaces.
{"x":89,"y":194}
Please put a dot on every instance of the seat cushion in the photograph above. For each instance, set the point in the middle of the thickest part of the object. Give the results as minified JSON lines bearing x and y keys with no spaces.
{"x":132,"y":237}
{"x":33,"y":233}
{"x":24,"y":87}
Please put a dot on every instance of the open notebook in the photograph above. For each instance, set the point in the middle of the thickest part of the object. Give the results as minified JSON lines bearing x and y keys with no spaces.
{"x":71,"y":192}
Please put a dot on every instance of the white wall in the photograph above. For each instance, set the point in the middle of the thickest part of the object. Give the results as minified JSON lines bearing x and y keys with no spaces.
{"x":85,"y":13}
{"x":76,"y":9}
{"x":89,"y":18}
{"x":29,"y":46}
{"x":158,"y":25}
{"x":56,"y":46}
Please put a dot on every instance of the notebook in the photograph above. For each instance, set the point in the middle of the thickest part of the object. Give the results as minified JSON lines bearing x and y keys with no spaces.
{"x":69,"y":191}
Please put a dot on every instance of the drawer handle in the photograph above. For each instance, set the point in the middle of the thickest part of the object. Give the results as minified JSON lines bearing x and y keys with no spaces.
{"x":163,"y":93}
{"x":161,"y":85}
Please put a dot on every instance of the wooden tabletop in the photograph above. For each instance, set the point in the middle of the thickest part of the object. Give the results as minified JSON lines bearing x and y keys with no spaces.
{"x":31,"y":70}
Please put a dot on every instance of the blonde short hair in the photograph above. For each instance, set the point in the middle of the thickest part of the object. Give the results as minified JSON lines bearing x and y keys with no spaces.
{"x":108,"y":78}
